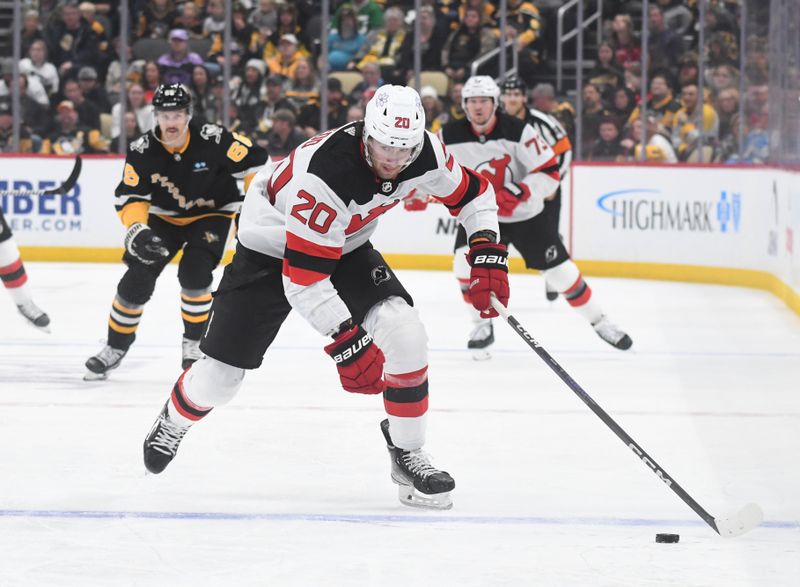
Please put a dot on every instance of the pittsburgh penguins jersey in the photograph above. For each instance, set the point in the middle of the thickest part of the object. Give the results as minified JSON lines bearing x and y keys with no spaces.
{"x":553,"y":132}
{"x":323,"y":201}
{"x":197,"y":180}
{"x":511,"y":155}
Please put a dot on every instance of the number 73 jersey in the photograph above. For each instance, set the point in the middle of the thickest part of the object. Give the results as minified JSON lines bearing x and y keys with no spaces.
{"x":324,"y":200}
{"x":511,"y":155}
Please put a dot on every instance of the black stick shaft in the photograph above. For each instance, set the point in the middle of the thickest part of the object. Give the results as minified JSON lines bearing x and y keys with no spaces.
{"x":607,"y":420}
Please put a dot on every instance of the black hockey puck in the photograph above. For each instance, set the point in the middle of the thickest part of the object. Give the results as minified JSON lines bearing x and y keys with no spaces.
{"x":667,"y":538}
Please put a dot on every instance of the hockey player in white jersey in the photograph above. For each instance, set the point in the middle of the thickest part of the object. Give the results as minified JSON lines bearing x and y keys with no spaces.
{"x":304,"y":245}
{"x":524,"y":170}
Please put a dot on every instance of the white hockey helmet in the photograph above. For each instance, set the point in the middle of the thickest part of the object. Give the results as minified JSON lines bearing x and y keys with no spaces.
{"x":395,"y":117}
{"x":480,"y":86}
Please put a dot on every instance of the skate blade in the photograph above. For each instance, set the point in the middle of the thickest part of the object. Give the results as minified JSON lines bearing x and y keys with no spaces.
{"x":92,"y":376}
{"x":413,"y":498}
{"x":480,"y":354}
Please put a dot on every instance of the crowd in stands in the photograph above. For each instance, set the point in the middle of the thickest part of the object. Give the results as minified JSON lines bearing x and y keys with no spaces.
{"x":72,"y":81}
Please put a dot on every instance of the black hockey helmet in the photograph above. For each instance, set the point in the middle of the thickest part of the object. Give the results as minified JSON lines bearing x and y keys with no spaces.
{"x":513,"y":83}
{"x":172,"y":97}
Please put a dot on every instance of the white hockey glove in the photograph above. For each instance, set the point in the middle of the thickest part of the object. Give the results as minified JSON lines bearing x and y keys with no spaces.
{"x":144,"y":244}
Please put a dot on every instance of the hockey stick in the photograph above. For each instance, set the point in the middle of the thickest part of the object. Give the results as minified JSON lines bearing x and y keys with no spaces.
{"x":66,"y":186}
{"x":736,"y":524}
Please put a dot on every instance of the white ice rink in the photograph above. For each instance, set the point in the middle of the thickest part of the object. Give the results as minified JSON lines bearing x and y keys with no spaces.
{"x":289,"y":484}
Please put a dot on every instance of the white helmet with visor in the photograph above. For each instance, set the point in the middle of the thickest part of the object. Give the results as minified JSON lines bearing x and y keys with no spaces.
{"x":395,"y":118}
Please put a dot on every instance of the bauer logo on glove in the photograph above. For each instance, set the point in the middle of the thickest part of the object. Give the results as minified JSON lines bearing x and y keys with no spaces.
{"x":353,"y":349}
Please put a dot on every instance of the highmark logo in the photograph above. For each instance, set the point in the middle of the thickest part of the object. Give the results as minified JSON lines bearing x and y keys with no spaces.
{"x":649,"y":210}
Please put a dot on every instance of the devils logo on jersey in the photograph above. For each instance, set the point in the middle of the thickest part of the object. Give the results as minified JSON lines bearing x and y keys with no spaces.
{"x":497,"y":171}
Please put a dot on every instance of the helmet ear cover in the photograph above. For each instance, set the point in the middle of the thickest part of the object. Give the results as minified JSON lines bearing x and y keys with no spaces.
{"x":394,"y":117}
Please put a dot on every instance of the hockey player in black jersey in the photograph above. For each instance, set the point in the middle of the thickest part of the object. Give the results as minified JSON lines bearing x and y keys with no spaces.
{"x":304,"y":244}
{"x":178,"y":193}
{"x":524,"y":170}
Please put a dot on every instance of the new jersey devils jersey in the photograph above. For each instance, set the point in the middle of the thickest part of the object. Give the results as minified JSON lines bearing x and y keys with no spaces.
{"x":323,"y":201}
{"x":510,"y":155}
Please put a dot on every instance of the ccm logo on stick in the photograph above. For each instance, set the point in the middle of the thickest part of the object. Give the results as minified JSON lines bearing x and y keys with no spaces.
{"x":490,"y":260}
{"x":650,"y":464}
{"x":350,"y":351}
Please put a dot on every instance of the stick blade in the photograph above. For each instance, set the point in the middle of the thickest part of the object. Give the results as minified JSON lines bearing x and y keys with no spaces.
{"x":740,"y":522}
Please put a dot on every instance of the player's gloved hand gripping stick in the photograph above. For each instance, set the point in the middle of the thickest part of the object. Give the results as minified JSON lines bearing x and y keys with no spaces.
{"x":144,"y":244}
{"x":489,"y":274}
{"x":358,"y":359}
{"x":736,"y":524}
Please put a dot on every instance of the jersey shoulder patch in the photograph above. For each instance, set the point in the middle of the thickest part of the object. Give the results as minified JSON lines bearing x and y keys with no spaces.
{"x":141,"y":144}
{"x":212,"y":132}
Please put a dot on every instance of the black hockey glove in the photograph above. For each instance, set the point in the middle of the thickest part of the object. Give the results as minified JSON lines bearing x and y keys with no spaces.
{"x":144,"y":244}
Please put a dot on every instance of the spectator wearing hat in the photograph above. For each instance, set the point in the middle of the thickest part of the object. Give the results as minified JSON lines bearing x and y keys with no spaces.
{"x":36,"y":64}
{"x":71,"y":42}
{"x":156,"y":19}
{"x":433,"y":108}
{"x":176,"y":65}
{"x":284,"y":136}
{"x":69,"y":137}
{"x":285,"y":62}
{"x":91,"y":89}
{"x":304,"y":86}
{"x":248,"y":96}
{"x":345,"y":41}
{"x":309,"y":117}
{"x":275,"y":100}
{"x":7,"y":131}
{"x":383,"y":44}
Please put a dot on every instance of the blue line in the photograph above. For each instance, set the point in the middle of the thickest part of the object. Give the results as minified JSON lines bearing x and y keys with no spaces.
{"x":373,"y":518}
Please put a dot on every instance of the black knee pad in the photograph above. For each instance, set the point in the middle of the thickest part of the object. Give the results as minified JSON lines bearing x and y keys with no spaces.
{"x":195,"y":268}
{"x":137,"y":285}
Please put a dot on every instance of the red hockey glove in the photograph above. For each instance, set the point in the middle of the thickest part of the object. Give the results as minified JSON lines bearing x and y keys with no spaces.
{"x":359,"y":361}
{"x":510,"y":196}
{"x":416,"y":203}
{"x":489,"y":275}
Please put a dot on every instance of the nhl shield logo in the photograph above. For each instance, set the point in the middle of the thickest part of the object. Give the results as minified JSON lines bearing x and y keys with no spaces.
{"x":381,"y":274}
{"x":386,"y":187}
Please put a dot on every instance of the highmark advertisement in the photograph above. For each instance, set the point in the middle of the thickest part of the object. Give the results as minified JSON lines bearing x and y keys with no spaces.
{"x":736,"y":218}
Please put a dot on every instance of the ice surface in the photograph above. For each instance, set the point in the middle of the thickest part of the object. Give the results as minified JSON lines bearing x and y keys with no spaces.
{"x":289,"y":484}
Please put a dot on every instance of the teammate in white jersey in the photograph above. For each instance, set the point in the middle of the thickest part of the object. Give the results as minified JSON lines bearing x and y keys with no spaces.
{"x":304,"y":245}
{"x":524,"y":170}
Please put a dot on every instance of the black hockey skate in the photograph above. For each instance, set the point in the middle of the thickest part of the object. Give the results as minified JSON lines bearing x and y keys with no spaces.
{"x":612,"y":334}
{"x":550,"y":293}
{"x":191,"y":352}
{"x":420,"y":483}
{"x":99,"y":365}
{"x":162,"y":443}
{"x":480,"y":339}
{"x":34,"y":315}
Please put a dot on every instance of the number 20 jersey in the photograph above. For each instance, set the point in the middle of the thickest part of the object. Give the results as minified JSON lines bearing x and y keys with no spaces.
{"x":324,"y":199}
